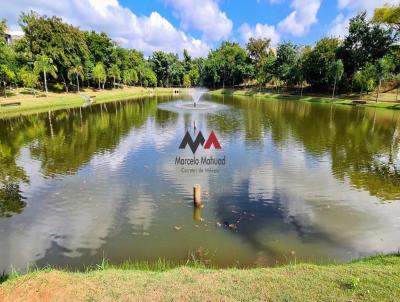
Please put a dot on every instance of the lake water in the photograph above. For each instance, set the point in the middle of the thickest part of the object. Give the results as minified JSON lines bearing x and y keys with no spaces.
{"x":301,"y":182}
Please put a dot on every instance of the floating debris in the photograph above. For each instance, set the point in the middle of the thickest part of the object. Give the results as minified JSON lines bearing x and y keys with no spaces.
{"x":219,"y":224}
{"x":178,"y":227}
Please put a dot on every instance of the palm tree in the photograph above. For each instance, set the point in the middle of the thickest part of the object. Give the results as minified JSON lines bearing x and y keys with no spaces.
{"x":99,"y":73}
{"x":45,"y":64}
{"x":77,"y":71}
{"x":115,"y":73}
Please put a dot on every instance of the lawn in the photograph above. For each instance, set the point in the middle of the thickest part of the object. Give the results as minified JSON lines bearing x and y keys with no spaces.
{"x":371,"y":279}
{"x":54,"y":101}
{"x":343,"y":100}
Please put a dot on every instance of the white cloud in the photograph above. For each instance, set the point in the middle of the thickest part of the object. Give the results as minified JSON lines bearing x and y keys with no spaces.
{"x":204,"y":16}
{"x":146,"y":33}
{"x":339,"y":26}
{"x":299,"y":21}
{"x":259,"y":31}
{"x":349,"y":9}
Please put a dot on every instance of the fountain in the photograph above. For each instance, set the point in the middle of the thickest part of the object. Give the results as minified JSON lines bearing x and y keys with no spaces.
{"x":182,"y":105}
{"x":196,"y":94}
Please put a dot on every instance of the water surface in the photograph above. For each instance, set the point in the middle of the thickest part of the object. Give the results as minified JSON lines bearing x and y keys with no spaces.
{"x":302,"y":181}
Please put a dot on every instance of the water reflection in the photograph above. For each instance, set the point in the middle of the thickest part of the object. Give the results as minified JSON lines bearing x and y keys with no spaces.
{"x":301,"y":180}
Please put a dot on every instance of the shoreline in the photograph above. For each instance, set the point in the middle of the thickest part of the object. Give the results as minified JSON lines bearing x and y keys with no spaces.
{"x":58,"y":101}
{"x":304,"y":98}
{"x":371,"y":278}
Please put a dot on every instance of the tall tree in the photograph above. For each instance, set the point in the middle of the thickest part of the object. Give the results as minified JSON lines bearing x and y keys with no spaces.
{"x":285,"y":60}
{"x":6,"y":76}
{"x":366,"y":42}
{"x":45,"y":65}
{"x":61,"y":42}
{"x":99,"y":74}
{"x":115,"y":73}
{"x":258,"y":50}
{"x":336,"y":73}
{"x":383,"y":69}
{"x":389,"y":15}
{"x":76,"y":72}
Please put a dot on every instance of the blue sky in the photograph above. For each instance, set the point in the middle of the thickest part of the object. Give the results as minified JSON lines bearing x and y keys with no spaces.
{"x":199,"y":25}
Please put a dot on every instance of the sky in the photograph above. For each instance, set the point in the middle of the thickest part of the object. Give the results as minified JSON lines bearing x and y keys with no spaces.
{"x":199,"y":25}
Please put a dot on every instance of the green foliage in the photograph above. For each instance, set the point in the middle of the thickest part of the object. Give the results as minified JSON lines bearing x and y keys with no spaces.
{"x":186,"y":80}
{"x":59,"y":41}
{"x":366,"y":43}
{"x":99,"y":74}
{"x":388,"y":15}
{"x":365,"y":79}
{"x":129,"y":77}
{"x":29,"y":77}
{"x":319,"y":62}
{"x":285,"y":60}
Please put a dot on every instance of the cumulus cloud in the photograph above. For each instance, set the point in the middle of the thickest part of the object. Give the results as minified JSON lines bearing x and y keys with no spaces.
{"x":146,"y":33}
{"x":349,"y":8}
{"x":204,"y":16}
{"x":299,"y":21}
{"x":259,"y":31}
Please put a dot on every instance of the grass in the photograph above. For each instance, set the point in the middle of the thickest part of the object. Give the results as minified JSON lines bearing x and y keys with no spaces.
{"x":344,"y":100}
{"x":55,"y":101}
{"x":369,"y":279}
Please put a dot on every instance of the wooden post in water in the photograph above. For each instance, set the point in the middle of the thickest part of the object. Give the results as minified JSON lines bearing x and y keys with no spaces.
{"x":197,"y":195}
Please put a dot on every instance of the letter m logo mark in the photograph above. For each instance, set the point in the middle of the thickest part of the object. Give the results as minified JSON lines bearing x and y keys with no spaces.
{"x":200,"y":140}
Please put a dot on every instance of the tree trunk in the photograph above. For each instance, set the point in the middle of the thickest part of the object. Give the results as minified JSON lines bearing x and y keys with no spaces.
{"x":77,"y":81}
{"x":334,"y":87}
{"x":99,"y":85}
{"x":65,"y":83}
{"x":114,"y":81}
{"x":45,"y":82}
{"x":397,"y":93}
{"x":379,"y":89}
{"x":301,"y":89}
{"x":5,"y":90}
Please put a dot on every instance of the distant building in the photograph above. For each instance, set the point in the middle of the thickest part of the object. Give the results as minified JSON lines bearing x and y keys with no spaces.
{"x":11,"y":37}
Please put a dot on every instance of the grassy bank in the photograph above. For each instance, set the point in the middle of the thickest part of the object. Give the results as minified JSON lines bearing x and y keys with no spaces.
{"x":54,"y":101}
{"x":310,"y":99}
{"x":371,"y":279}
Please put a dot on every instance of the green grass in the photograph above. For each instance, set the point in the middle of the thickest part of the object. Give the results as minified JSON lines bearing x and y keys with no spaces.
{"x":30,"y":105}
{"x":310,"y":99}
{"x":369,"y":279}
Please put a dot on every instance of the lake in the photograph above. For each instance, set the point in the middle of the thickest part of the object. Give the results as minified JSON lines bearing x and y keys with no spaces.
{"x":299,"y":182}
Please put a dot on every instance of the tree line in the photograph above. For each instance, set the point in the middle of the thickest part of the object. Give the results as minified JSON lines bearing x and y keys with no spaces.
{"x":69,"y":58}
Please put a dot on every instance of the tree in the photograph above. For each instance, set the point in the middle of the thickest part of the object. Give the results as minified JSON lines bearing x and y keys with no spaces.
{"x":115,"y":73}
{"x":45,"y":65}
{"x":383,"y":69}
{"x":285,"y":60}
{"x":149,"y":77}
{"x":366,"y":43}
{"x":77,"y":72}
{"x":59,"y":41}
{"x":29,"y":78}
{"x":319,"y":61}
{"x":364,"y":78}
{"x":335,"y":73}
{"x":6,"y":76}
{"x":99,"y":74}
{"x":389,"y":15}
{"x":129,"y":76}
{"x":257,"y":50}
{"x":186,"y":80}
